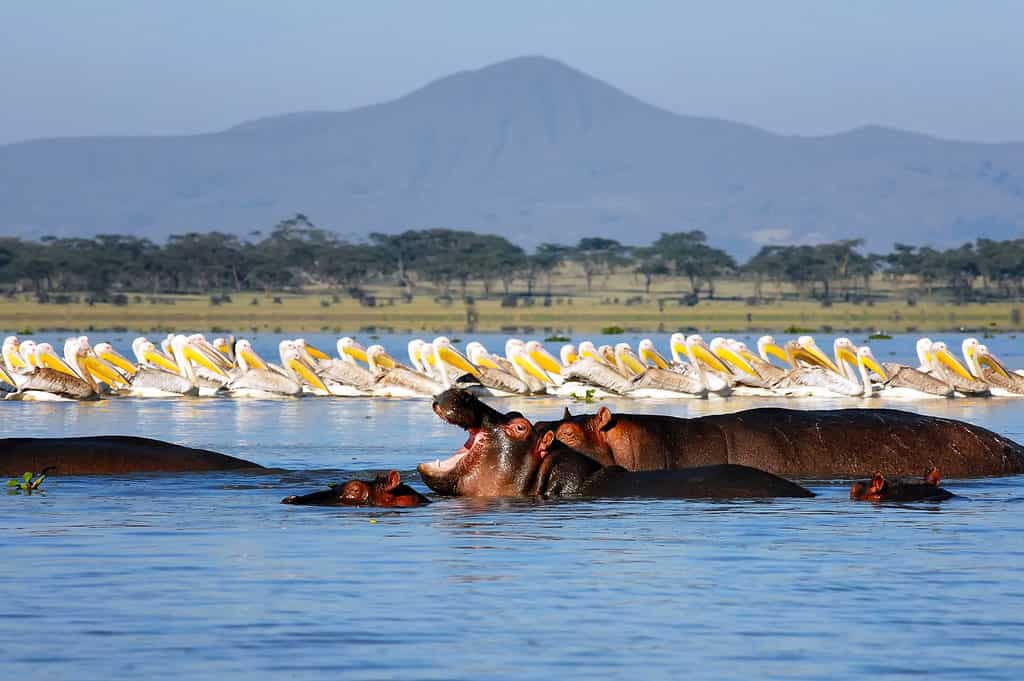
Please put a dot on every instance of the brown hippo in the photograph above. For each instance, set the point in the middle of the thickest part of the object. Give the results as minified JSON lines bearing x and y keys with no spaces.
{"x":387,"y":490}
{"x":805,"y":444}
{"x":109,"y":455}
{"x":901,"y":489}
{"x":504,"y":456}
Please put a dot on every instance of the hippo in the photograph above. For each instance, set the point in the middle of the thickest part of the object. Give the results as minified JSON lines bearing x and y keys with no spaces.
{"x":506,"y":457}
{"x":387,"y":490}
{"x":109,"y":455}
{"x":901,"y":489}
{"x":821,"y":444}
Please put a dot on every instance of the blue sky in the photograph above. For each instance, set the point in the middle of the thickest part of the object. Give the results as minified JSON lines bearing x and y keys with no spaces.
{"x":73,"y":67}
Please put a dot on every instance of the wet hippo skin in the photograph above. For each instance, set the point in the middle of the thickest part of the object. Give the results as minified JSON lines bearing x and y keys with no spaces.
{"x":505,"y":456}
{"x":840,"y":443}
{"x":878,"y":488}
{"x":109,"y":455}
{"x":386,"y":490}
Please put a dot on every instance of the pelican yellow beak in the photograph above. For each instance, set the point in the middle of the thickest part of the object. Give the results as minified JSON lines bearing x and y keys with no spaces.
{"x":991,"y":361}
{"x":545,"y":361}
{"x":316,"y":353}
{"x":202,"y":360}
{"x":632,"y":363}
{"x":118,"y":361}
{"x":455,"y":358}
{"x":6,"y":377}
{"x":253,"y":360}
{"x":653,"y":357}
{"x":572,"y":357}
{"x":594,"y":356}
{"x":101,"y":371}
{"x":609,"y":356}
{"x":736,"y":360}
{"x":158,"y":359}
{"x":705,"y":355}
{"x":531,"y":368}
{"x":384,"y":360}
{"x":951,"y":362}
{"x":847,"y":355}
{"x":14,"y":360}
{"x":777,"y":352}
{"x":818,"y":357}
{"x":307,"y":375}
{"x":870,"y":363}
{"x":352,"y":351}
{"x":486,"y":361}
{"x":52,"y":361}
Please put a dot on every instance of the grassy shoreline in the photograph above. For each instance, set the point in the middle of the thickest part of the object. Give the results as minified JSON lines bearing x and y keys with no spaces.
{"x":580,"y":314}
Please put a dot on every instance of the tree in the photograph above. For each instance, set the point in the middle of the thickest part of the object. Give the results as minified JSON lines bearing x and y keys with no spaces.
{"x":694,"y":259}
{"x":596,"y":255}
{"x":650,"y":263}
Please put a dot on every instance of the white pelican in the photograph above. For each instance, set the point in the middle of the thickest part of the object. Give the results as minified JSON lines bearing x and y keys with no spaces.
{"x":544,"y":359}
{"x":568,"y":354}
{"x":341,"y":377}
{"x":160,"y":381}
{"x":53,"y":379}
{"x":715,"y":376}
{"x":396,"y":380}
{"x":349,"y":351}
{"x":1003,"y":382}
{"x":945,"y":367}
{"x":501,"y":381}
{"x":259,"y":379}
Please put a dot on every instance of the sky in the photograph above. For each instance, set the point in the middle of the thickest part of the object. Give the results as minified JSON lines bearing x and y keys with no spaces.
{"x":98,"y":67}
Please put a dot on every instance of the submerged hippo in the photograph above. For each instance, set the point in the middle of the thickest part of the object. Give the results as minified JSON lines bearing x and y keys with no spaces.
{"x":109,"y":455}
{"x":790,"y":442}
{"x":387,"y":490}
{"x":901,"y":489}
{"x":505,"y":456}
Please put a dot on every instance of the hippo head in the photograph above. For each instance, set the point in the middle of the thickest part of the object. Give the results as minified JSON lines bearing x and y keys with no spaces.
{"x":586,"y":433}
{"x":386,"y":490}
{"x":880,"y":489}
{"x":500,"y":457}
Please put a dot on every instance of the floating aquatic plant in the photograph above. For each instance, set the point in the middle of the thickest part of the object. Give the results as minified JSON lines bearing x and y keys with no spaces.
{"x":28,"y":482}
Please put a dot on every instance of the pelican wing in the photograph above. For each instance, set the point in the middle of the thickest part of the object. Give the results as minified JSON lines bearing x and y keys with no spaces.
{"x":156,"y":381}
{"x":345,"y":373}
{"x":902,"y":376}
{"x":669,"y":381}
{"x":59,"y":383}
{"x":266,"y":381}
{"x":591,"y":372}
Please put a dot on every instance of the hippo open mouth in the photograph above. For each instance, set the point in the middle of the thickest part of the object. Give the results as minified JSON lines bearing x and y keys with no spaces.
{"x":462,"y":409}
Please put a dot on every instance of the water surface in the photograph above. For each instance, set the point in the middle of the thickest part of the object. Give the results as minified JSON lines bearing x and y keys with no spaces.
{"x":170,"y":576}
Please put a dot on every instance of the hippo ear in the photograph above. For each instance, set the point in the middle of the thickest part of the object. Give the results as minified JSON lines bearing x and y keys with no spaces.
{"x":544,"y":444}
{"x":603,"y":418}
{"x":933,"y":477}
{"x":566,"y":415}
{"x":394,"y":478}
{"x":877,"y":483}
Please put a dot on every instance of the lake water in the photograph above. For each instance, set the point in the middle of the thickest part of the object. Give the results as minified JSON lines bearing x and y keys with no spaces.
{"x":201,"y":576}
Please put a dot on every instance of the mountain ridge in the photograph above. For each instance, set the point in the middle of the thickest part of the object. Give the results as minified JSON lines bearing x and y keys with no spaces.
{"x":529,"y":147}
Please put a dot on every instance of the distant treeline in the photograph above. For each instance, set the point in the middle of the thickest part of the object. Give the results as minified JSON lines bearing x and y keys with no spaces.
{"x":296,"y":255}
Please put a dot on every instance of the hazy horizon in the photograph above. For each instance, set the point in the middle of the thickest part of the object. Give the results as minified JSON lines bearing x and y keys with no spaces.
{"x":109,"y":68}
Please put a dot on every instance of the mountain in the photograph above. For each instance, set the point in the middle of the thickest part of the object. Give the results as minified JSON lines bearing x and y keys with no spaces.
{"x":530,"y":148}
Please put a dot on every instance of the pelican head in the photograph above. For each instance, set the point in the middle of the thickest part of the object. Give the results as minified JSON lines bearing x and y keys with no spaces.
{"x":627,"y":362}
{"x":544,"y":359}
{"x":864,"y":356}
{"x":523,"y":364}
{"x":768,"y":348}
{"x":698,"y":351}
{"x":649,"y":354}
{"x":415,"y":350}
{"x":293,"y":361}
{"x":724,"y":350}
{"x":378,"y":360}
{"x":587,"y":349}
{"x":247,"y":357}
{"x":815,"y":355}
{"x":11,"y":358}
{"x":969,"y":347}
{"x":350,"y":350}
{"x":924,"y":353}
{"x":569,"y":354}
{"x":446,"y":352}
{"x":941,"y":354}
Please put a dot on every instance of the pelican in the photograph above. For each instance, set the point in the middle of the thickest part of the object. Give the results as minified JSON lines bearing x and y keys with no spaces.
{"x":499,"y":381}
{"x":627,"y":362}
{"x":1003,"y":382}
{"x":589,"y":373}
{"x":712,"y":373}
{"x":483,"y":359}
{"x":659,"y":381}
{"x":587,"y":350}
{"x":808,"y":378}
{"x":765,"y":370}
{"x":568,"y":354}
{"x":259,"y":379}
{"x":905,"y":382}
{"x":679,"y":346}
{"x":53,"y":379}
{"x":226,"y":347}
{"x":544,"y":359}
{"x":396,"y":380}
{"x":945,"y":367}
{"x":649,"y":354}
{"x":745,"y":379}
{"x":341,"y":377}
{"x":158,"y":381}
{"x":349,"y":351}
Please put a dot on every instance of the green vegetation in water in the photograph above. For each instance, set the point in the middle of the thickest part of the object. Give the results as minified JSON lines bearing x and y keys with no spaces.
{"x":612,"y":330}
{"x":556,"y":339}
{"x":586,"y":398}
{"x":881,"y":335}
{"x":799,"y":329}
{"x":27,"y":331}
{"x":28,"y":483}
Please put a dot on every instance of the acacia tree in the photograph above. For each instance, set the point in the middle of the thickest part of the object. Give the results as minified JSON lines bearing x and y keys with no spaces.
{"x":596,"y":255}
{"x":694,"y":259}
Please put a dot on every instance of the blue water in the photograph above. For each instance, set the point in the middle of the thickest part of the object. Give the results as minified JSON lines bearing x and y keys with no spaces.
{"x":200,"y":576}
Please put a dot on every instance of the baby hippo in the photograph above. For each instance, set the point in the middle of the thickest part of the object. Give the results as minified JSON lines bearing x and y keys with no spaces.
{"x":387,"y":490}
{"x":901,"y":489}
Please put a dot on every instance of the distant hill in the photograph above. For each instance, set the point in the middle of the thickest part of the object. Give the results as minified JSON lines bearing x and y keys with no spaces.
{"x":530,"y":148}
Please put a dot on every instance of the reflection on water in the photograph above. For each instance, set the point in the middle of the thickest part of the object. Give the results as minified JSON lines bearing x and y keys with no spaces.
{"x":207,"y":575}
